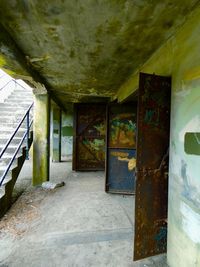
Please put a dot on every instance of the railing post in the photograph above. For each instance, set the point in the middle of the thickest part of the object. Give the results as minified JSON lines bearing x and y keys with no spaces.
{"x":27,"y":134}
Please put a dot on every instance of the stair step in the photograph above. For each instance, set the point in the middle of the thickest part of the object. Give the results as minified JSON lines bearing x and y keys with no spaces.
{"x":4,"y":164}
{"x":11,"y":148}
{"x":4,"y":107}
{"x":21,"y":95}
{"x":2,"y":191}
{"x":28,"y":91}
{"x":5,"y":161}
{"x":17,"y":102}
{"x":18,"y":95}
{"x":12,"y":112}
{"x":13,"y":95}
{"x":19,"y":105}
{"x":8,"y":176}
{"x":12,"y":115}
{"x":15,"y":141}
{"x":7,"y":179}
{"x":22,"y":98}
{"x":9,"y":131}
{"x":12,"y":125}
{"x":10,"y":119}
{"x":7,"y":156}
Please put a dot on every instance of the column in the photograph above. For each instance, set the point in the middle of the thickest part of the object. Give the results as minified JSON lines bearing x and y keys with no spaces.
{"x":41,"y":137}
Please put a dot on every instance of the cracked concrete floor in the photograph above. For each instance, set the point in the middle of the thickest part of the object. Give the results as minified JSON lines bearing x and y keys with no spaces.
{"x":72,"y":226}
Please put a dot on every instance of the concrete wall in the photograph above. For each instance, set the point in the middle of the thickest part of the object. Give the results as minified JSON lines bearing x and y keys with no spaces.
{"x":67,"y":136}
{"x":180,"y":58}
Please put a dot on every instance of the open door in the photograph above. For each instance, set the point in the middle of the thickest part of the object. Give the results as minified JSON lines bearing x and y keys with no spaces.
{"x":89,"y":137}
{"x":121,"y":144}
{"x":153,"y":129}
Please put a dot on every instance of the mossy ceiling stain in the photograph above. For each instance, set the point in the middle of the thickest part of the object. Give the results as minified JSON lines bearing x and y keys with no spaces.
{"x":89,"y":48}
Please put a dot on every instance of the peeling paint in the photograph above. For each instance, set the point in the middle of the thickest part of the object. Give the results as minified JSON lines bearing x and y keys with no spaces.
{"x":191,"y":223}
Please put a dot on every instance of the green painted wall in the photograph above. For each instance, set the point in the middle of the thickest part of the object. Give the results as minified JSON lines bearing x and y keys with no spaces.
{"x":55,"y":132}
{"x":67,"y":136}
{"x":180,"y":58}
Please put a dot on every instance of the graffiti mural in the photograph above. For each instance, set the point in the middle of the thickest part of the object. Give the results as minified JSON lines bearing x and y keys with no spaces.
{"x":121,"y":171}
{"x":122,"y":131}
{"x":121,"y":153}
{"x":90,"y":136}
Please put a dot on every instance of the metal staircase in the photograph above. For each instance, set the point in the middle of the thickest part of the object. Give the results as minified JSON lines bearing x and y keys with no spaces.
{"x":16,"y":113}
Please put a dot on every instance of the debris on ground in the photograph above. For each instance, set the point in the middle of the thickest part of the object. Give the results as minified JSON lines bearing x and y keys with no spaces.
{"x":25,"y":210}
{"x":51,"y":186}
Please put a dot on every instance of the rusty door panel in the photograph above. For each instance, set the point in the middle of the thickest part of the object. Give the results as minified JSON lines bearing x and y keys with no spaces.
{"x":90,"y":130}
{"x":153,"y":120}
{"x":121,"y":143}
{"x":152,"y":165}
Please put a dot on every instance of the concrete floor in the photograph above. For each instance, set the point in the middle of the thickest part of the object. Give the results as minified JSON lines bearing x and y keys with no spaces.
{"x":72,"y":226}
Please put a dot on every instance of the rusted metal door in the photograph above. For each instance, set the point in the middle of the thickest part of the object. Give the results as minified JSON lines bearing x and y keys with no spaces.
{"x":152,"y":165}
{"x":89,"y":139}
{"x":121,"y":142}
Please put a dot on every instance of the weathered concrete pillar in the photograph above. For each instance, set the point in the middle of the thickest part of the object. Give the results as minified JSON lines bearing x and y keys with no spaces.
{"x":56,"y":133}
{"x":41,"y":133}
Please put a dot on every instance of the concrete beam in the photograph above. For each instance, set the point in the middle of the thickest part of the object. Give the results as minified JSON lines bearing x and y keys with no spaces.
{"x":41,"y":129}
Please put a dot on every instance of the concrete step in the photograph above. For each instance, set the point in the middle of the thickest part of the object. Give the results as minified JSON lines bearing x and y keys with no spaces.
{"x":14,"y":104}
{"x":2,"y":191}
{"x":4,"y":164}
{"x":10,"y":119}
{"x":4,"y":107}
{"x":17,"y":102}
{"x":19,"y":99}
{"x":12,"y":125}
{"x":10,"y":149}
{"x":12,"y":115}
{"x":7,"y":132}
{"x":15,"y":141}
{"x":22,"y":90}
{"x":15,"y":123}
{"x":8,"y":176}
{"x":7,"y":156}
{"x":20,"y":112}
{"x":17,"y":94}
{"x":21,"y":93}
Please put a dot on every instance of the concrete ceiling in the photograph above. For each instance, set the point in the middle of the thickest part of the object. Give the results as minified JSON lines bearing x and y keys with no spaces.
{"x":85,"y":49}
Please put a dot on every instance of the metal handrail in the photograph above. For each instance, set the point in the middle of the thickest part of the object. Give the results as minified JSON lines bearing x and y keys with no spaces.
{"x":12,"y":80}
{"x":6,"y":84}
{"x":26,"y":134}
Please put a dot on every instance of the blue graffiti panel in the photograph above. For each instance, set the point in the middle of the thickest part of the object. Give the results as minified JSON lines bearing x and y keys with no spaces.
{"x":121,"y":173}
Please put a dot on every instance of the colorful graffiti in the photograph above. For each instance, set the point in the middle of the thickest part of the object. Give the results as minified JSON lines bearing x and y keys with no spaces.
{"x":91,"y":131}
{"x":121,"y":171}
{"x":95,"y":147}
{"x":123,"y":131}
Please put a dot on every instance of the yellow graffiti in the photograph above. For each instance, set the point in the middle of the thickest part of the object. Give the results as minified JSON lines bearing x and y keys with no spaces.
{"x":119,"y":154}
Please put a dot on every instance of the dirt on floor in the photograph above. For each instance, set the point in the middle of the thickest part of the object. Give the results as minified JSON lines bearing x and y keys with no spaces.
{"x":23,"y":211}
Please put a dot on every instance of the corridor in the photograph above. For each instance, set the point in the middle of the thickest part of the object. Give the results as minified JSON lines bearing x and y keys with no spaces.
{"x":72,"y":226}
